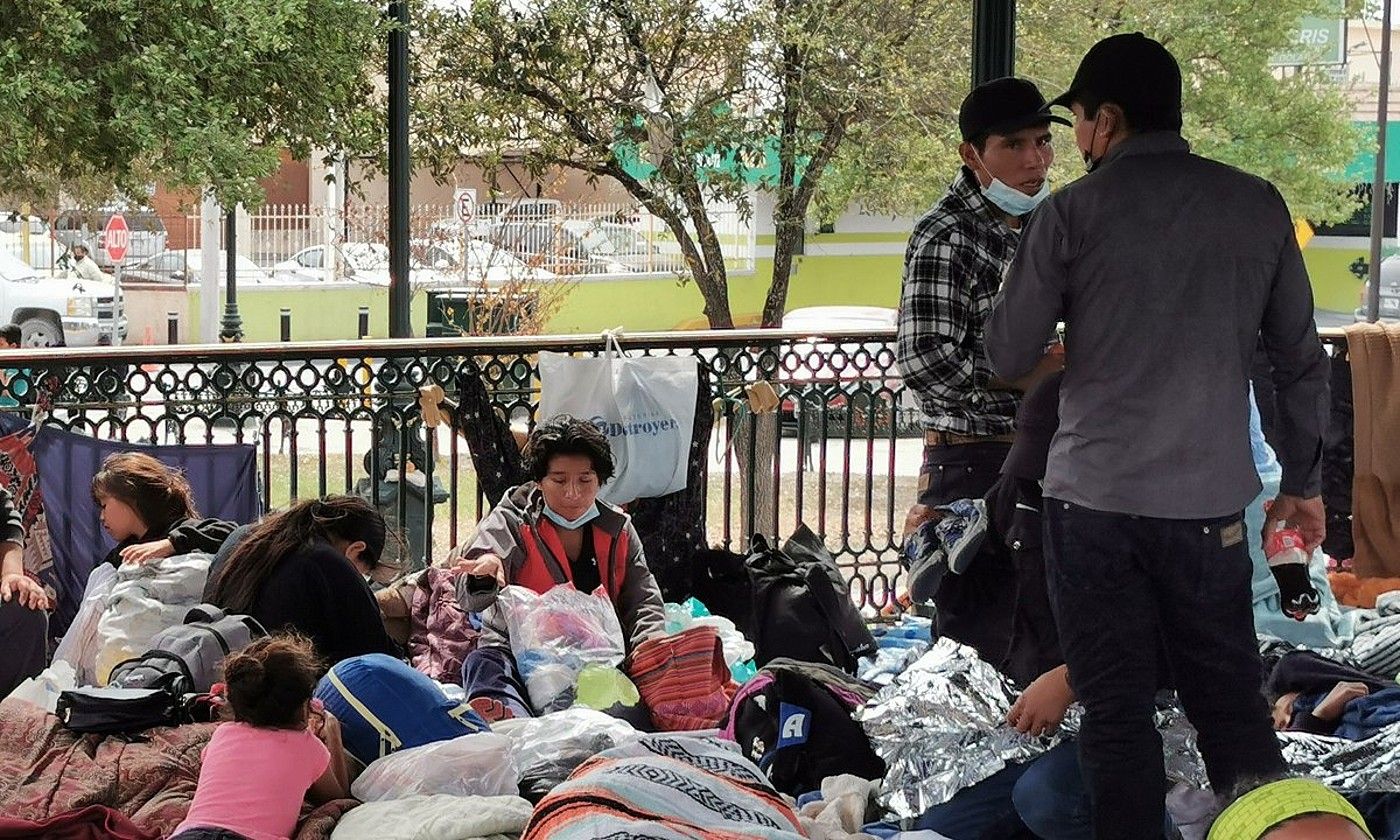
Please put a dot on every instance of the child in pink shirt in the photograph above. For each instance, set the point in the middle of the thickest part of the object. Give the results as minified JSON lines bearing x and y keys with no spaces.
{"x":278,"y":751}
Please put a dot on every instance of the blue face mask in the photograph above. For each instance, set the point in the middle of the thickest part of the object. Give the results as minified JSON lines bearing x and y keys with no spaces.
{"x":571,"y":524}
{"x":1010,"y":200}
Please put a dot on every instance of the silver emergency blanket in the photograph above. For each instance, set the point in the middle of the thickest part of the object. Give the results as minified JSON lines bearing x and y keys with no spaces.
{"x":1369,"y":765}
{"x":941,"y":726}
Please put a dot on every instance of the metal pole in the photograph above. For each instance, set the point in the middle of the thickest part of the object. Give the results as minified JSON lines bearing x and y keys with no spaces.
{"x":400,"y":171}
{"x":286,"y":324}
{"x":993,"y":40}
{"x":172,"y":328}
{"x":1378,"y":186}
{"x":364,"y":322}
{"x":233,"y":322}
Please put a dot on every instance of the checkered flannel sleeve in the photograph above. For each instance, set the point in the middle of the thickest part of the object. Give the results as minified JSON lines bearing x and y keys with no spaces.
{"x":935,"y":315}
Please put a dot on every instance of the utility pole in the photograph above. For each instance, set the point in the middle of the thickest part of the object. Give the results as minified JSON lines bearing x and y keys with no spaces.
{"x":233,"y":322}
{"x":1378,"y":186}
{"x":400,"y":173}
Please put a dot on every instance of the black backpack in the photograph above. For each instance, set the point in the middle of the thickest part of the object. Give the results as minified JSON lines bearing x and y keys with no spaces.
{"x":793,"y":720}
{"x":801,"y":607}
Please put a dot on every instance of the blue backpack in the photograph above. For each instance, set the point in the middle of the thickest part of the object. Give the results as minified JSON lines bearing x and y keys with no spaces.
{"x":384,"y":705}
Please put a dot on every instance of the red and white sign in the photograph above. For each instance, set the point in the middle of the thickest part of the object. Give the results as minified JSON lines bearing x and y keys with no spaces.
{"x":116,"y":237}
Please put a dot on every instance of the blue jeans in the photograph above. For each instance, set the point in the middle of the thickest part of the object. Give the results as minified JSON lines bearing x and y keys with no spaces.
{"x":1124,"y":588}
{"x":1046,"y":796}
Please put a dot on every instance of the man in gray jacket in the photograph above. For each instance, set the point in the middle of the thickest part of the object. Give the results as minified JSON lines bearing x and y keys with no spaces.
{"x":1166,"y":269}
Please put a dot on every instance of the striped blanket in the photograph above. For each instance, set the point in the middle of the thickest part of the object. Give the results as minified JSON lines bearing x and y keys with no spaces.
{"x":665,"y":787}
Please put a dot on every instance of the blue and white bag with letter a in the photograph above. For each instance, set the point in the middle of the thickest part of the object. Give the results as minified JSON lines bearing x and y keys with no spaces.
{"x":645,"y":405}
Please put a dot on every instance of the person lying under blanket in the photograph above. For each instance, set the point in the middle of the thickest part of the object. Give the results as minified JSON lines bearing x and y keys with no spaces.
{"x":550,"y":531}
{"x":24,"y":605}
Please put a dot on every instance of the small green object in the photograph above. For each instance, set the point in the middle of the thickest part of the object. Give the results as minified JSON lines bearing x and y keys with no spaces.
{"x":601,"y":687}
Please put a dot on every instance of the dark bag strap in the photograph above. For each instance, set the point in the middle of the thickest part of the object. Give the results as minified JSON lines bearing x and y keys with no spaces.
{"x":206,"y":613}
{"x":183,"y":673}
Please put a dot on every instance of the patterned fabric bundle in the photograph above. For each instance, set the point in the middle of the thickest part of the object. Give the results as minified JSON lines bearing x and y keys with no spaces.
{"x":666,"y":788}
{"x":683,"y":679}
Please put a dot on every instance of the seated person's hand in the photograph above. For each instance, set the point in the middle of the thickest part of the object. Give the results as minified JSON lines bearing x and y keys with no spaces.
{"x":143,"y":553}
{"x":26,"y":589}
{"x":1335,"y":702}
{"x":1041,"y":708}
{"x":483,"y":565}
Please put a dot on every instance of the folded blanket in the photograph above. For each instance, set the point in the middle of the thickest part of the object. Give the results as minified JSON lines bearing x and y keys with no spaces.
{"x":436,"y":817}
{"x":666,"y":788}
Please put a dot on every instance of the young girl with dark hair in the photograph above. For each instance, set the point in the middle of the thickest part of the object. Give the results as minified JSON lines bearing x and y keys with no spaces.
{"x":281,"y":748}
{"x":549,"y":531}
{"x":304,"y":569}
{"x":148,"y":508}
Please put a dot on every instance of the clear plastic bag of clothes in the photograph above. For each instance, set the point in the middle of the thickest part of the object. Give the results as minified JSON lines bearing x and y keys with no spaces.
{"x":471,"y":765}
{"x":547,"y":749}
{"x":145,"y":600}
{"x":554,"y":635}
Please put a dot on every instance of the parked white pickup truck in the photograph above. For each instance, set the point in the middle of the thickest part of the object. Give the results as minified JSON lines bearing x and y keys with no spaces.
{"x":52,"y":311}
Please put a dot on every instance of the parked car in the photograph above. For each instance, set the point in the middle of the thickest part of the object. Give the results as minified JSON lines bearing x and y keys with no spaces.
{"x":557,"y":248}
{"x":43,"y":251}
{"x":1390,"y":292}
{"x":847,"y":378}
{"x":53,"y":312}
{"x":487,"y":265}
{"x":183,"y":267}
{"x":621,"y":244}
{"x":359,"y":262}
{"x":147,"y":238}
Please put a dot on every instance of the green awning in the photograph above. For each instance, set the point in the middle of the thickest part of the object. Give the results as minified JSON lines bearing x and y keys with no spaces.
{"x":1363,"y":169}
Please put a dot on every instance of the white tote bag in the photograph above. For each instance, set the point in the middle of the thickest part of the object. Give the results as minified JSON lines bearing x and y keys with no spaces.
{"x":645,"y":405}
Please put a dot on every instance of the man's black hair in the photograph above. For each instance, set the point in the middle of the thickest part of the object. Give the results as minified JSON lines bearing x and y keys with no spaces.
{"x":565,"y":435}
{"x":12,"y":333}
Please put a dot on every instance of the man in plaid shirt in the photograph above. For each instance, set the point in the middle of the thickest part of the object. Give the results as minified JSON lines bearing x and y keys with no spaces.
{"x":953,"y":267}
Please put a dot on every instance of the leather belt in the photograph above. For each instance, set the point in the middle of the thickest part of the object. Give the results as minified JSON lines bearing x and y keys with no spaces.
{"x":935,"y":438}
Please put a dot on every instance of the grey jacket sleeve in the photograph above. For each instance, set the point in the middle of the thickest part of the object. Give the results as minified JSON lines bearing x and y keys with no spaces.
{"x":1031,"y":300}
{"x":493,"y":536}
{"x":640,"y":608}
{"x":1299,"y":365}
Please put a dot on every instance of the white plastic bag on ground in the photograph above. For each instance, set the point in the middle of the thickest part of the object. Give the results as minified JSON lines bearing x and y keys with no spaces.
{"x":145,"y":600}
{"x":554,"y":635}
{"x":644,"y":405}
{"x":80,"y":644}
{"x":736,"y":648}
{"x":44,"y":689}
{"x":471,"y":765}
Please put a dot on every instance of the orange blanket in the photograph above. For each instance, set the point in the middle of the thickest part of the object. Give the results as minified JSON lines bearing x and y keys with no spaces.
{"x":1374,"y":350}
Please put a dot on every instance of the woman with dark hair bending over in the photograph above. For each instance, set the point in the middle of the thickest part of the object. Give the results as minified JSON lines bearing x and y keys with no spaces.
{"x":304,"y":569}
{"x":549,"y":531}
{"x":148,"y":508}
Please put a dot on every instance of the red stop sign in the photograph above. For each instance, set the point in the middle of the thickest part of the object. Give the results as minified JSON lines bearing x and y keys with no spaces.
{"x":116,"y":237}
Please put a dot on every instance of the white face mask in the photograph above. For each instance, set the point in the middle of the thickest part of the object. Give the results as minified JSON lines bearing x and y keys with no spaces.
{"x":1010,"y":200}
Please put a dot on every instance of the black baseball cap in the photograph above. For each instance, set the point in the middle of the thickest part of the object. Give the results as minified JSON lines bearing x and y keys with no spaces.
{"x":1134,"y":72}
{"x":1003,"y":106}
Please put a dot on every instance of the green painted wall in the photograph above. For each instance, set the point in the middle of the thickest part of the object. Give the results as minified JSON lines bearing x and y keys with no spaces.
{"x":664,"y":304}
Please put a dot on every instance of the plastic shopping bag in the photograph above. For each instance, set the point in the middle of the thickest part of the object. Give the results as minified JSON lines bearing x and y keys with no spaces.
{"x":81,"y":643}
{"x":645,"y":406}
{"x":554,"y":635}
{"x":470,"y":765}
